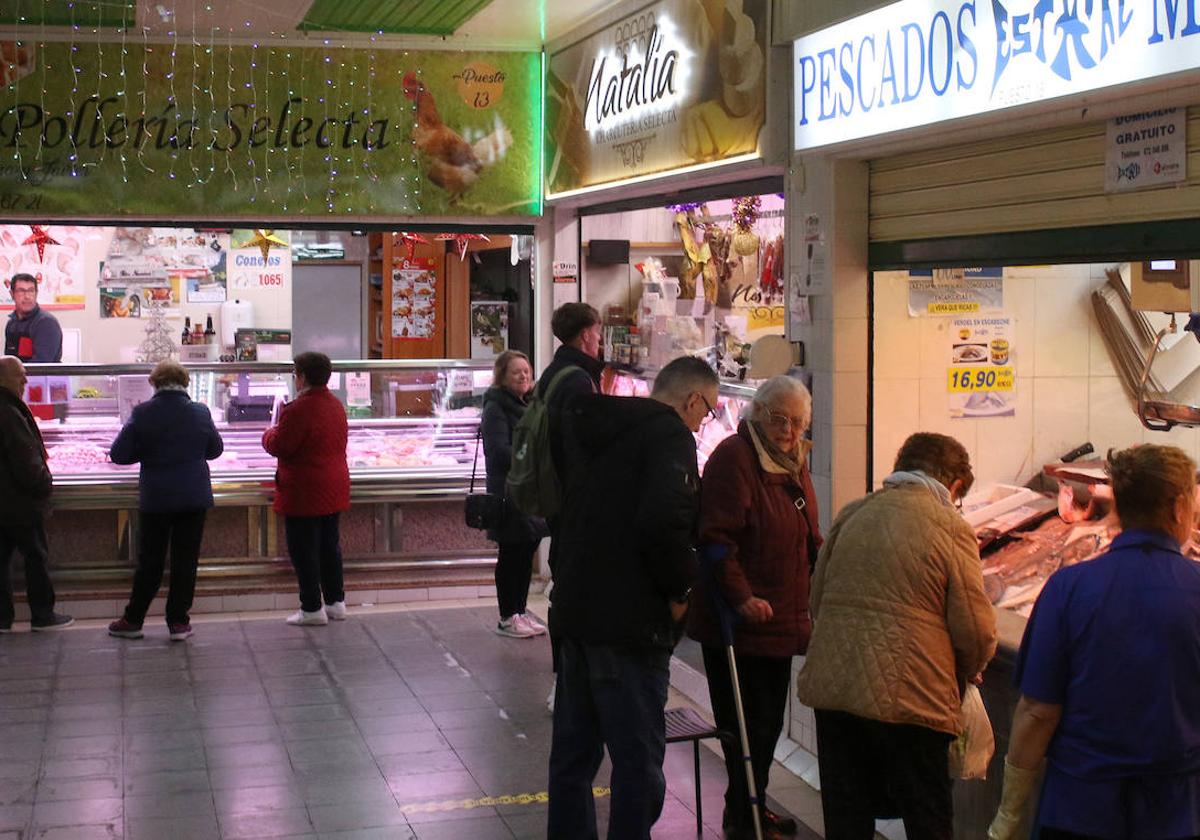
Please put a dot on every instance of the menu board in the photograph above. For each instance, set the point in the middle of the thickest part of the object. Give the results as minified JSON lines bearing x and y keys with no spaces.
{"x":414,"y":299}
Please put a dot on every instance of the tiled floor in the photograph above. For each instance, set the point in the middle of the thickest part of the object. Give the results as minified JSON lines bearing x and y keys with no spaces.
{"x":409,"y":723}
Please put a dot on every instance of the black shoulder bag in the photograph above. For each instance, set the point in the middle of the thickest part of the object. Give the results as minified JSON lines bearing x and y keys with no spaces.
{"x":483,"y":510}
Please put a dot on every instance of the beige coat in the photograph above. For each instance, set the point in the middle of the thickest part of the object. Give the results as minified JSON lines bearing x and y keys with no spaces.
{"x":900,"y":616}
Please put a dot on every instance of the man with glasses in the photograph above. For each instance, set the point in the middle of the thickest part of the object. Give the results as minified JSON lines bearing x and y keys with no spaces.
{"x":32,"y":334}
{"x":626,"y":564}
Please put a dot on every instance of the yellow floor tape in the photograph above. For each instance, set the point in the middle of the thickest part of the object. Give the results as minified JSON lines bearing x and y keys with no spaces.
{"x":487,"y":802}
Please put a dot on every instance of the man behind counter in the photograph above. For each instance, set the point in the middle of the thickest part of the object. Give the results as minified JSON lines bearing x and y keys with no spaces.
{"x":32,"y":334}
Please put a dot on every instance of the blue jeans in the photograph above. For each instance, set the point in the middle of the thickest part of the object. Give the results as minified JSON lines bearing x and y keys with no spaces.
{"x":608,"y":696}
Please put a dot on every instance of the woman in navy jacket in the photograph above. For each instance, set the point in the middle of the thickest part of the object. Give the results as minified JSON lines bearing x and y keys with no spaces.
{"x":173,"y":439}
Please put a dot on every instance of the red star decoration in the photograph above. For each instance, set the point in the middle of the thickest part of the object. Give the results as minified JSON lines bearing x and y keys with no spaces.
{"x":410,"y":241}
{"x":460,"y":241}
{"x":41,"y":238}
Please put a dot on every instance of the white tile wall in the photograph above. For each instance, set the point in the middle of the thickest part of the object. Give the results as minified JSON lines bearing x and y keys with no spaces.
{"x":1066,"y":391}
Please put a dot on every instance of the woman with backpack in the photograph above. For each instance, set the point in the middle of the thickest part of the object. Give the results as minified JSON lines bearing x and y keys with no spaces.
{"x":517,"y":535}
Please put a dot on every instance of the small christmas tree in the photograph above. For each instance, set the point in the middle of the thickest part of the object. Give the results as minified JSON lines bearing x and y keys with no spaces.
{"x":158,"y":343}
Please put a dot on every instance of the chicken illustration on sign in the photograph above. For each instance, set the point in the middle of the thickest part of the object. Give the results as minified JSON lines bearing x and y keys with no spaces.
{"x":448,"y":159}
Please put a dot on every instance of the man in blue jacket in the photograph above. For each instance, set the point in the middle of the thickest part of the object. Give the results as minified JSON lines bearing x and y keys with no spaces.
{"x":32,"y":334}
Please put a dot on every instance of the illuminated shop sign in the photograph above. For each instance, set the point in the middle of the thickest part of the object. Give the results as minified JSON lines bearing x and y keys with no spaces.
{"x":674,"y":85}
{"x":918,"y":62}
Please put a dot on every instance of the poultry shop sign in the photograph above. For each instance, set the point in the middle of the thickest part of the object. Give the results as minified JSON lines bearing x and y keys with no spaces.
{"x":918,"y":62}
{"x":113,"y":130}
{"x":676,"y":84}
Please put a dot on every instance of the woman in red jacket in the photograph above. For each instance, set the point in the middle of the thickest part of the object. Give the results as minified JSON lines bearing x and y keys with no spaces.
{"x":312,"y":487}
{"x":757,"y":501}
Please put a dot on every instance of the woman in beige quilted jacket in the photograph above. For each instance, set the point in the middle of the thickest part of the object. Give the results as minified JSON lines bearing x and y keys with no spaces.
{"x":900,"y":624}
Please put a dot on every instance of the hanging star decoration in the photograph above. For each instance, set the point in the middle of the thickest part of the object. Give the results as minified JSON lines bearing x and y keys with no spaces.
{"x":410,"y":241}
{"x":264,"y":238}
{"x":461,"y":240}
{"x":41,"y":238}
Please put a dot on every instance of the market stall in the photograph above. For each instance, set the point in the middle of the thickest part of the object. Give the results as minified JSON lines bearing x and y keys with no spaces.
{"x":412,"y":440}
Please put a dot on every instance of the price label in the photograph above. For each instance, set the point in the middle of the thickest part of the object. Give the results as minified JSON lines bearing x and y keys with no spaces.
{"x":984,"y":378}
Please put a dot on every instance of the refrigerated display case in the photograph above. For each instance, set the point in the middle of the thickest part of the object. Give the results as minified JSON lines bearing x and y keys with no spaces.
{"x":411,"y":442}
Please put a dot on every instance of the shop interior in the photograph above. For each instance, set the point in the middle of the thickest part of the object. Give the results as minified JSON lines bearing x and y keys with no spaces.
{"x":346,"y":293}
{"x":1038,"y":371}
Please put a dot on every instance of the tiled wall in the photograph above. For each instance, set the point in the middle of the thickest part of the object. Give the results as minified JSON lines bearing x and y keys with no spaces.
{"x":1067,"y":391}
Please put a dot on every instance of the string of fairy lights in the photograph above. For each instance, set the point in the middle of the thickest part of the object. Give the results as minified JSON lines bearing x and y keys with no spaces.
{"x":114,"y":111}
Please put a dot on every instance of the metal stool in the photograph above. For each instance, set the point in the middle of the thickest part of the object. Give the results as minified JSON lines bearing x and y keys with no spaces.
{"x":683,"y":724}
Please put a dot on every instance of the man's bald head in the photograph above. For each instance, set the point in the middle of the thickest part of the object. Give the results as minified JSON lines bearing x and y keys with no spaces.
{"x":12,"y":375}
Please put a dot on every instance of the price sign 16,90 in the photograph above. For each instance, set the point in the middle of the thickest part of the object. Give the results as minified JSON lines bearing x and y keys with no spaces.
{"x":984,"y":378}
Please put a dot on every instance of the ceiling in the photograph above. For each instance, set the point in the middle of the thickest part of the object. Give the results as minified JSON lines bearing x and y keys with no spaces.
{"x":471,"y":24}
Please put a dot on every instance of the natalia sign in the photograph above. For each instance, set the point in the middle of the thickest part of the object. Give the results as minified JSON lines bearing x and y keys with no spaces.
{"x":918,"y":62}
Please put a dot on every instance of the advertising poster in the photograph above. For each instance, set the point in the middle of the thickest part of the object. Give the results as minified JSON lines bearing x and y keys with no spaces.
{"x":59,"y":268}
{"x":312,"y":130}
{"x":955,"y":291}
{"x":1146,"y":150}
{"x":248,"y":271}
{"x":981,"y":377}
{"x":489,"y":328}
{"x":414,"y":299}
{"x":675,"y":84}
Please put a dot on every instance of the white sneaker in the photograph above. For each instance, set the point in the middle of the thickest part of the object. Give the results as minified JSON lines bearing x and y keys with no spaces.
{"x":550,"y":698}
{"x":336,"y":611}
{"x":307,"y":619}
{"x":536,"y":627}
{"x":514,"y":628}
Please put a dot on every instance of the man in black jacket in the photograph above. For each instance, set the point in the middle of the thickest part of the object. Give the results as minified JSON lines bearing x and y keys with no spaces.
{"x":626,"y":562}
{"x":25,"y":484}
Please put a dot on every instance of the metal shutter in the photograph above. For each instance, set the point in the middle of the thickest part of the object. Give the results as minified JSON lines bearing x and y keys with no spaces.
{"x":1040,"y":180}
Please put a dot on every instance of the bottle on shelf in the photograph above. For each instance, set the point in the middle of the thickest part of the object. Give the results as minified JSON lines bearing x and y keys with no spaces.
{"x":210,"y":335}
{"x":186,"y":338}
{"x":197,"y":333}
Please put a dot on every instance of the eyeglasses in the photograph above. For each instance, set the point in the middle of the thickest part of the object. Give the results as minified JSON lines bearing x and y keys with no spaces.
{"x":783,"y":421}
{"x":711,"y":412}
{"x":31,"y":292}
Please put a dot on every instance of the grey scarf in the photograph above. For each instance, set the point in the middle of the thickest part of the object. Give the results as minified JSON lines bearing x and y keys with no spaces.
{"x":903,"y":477}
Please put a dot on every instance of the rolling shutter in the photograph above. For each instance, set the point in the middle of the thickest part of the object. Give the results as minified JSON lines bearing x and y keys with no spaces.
{"x":1036,"y":181}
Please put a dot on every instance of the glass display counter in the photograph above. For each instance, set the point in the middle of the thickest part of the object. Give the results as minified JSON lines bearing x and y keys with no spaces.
{"x":411,"y":442}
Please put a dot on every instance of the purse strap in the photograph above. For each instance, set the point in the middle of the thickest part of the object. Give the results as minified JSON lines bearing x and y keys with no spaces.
{"x":475,"y":460}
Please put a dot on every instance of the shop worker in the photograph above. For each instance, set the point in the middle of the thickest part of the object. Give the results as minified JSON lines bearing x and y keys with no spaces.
{"x":25,"y":484}
{"x":578,"y":327}
{"x":32,"y":334}
{"x":1109,"y":674}
{"x":626,"y":536}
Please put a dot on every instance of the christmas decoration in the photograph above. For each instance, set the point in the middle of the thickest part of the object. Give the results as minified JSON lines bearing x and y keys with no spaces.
{"x":461,"y":240}
{"x":41,"y":238}
{"x":410,"y":241}
{"x":158,"y":343}
{"x":264,"y":238}
{"x":745,"y":214}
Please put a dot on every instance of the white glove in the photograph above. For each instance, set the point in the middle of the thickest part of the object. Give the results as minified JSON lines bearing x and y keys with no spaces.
{"x":1019,"y":783}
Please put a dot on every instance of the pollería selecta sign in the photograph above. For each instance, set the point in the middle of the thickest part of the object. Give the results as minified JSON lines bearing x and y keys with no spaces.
{"x":918,"y":62}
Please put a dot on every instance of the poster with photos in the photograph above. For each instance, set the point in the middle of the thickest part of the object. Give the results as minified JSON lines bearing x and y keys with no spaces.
{"x":414,"y":300}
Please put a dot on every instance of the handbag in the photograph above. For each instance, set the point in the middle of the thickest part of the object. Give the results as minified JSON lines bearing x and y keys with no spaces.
{"x":482,"y":510}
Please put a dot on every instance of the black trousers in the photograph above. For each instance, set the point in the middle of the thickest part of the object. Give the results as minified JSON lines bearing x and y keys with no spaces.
{"x":313,"y":544}
{"x":873,"y":769}
{"x":514,"y":569}
{"x":182,"y":531}
{"x":764,"y":682}
{"x":30,"y":540}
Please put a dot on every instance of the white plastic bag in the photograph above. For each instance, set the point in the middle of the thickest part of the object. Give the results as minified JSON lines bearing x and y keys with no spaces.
{"x":971,"y":752}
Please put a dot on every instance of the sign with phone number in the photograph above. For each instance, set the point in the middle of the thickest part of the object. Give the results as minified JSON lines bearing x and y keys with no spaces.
{"x":983,"y":378}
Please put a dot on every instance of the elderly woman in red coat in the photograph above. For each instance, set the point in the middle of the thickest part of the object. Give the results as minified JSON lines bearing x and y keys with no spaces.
{"x":757,"y":501}
{"x":312,"y":487}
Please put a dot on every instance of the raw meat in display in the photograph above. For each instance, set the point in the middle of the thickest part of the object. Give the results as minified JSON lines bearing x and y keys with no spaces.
{"x":66,"y":457}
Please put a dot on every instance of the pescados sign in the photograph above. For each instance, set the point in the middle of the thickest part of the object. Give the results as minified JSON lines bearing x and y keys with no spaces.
{"x":918,"y":62}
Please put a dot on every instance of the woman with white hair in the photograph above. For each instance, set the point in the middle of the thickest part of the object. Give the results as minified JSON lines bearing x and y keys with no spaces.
{"x":758,"y":503}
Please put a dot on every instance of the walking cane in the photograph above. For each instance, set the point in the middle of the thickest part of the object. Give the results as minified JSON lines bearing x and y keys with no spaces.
{"x":711,"y":557}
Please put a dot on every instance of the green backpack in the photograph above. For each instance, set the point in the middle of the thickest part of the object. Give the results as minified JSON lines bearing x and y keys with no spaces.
{"x":532,"y":480}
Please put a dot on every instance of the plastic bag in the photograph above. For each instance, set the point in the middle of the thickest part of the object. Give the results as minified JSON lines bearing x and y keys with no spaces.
{"x":971,"y":752}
